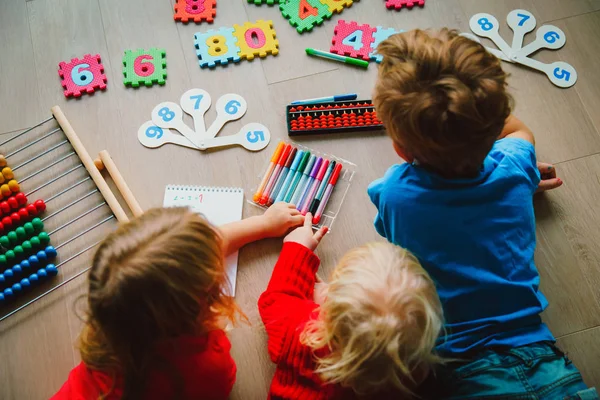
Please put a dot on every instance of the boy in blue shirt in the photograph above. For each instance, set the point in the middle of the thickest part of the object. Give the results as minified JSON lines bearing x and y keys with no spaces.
{"x":463,"y":205}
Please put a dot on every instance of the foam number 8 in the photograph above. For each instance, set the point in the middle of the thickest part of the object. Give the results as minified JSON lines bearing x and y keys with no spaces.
{"x":232,"y":107}
{"x":154,"y":132}
{"x":143,"y":65}
{"x":81,"y":77}
{"x":255,"y":136}
{"x":216,"y":45}
{"x":194,"y":6}
{"x":166,"y":114}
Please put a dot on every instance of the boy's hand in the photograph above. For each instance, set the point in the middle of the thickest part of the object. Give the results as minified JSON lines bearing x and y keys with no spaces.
{"x":304,"y":235}
{"x":549,"y":180}
{"x":280,"y":218}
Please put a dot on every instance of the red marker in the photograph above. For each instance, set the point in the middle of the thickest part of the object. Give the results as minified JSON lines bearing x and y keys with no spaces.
{"x":278,"y":167}
{"x":328,"y":190}
{"x":265,"y":179}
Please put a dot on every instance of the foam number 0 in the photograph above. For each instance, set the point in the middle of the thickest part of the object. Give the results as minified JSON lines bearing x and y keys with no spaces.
{"x":143,"y":65}
{"x":80,"y":76}
{"x":258,"y":34}
{"x":354,"y":40}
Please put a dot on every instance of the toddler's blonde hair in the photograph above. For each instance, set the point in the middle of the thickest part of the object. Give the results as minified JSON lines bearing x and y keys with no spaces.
{"x":379,"y":321}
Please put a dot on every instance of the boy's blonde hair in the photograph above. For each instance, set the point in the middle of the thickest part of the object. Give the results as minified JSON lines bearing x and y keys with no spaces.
{"x":442,"y":98}
{"x":379,"y":321}
{"x":160,"y":276}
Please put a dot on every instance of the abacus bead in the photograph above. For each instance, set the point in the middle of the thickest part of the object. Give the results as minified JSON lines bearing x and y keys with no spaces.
{"x":31,"y":209}
{"x":8,"y":293}
{"x":5,"y":241}
{"x":41,"y":255}
{"x":51,"y":270}
{"x":5,"y":207}
{"x":21,"y":233}
{"x":42,"y":273}
{"x":2,"y":161}
{"x":40,"y":205}
{"x":10,"y":255}
{"x":2,"y":279}
{"x":23,"y":213}
{"x":33,"y":278}
{"x":51,"y":252}
{"x":17,"y":269}
{"x":5,"y":190}
{"x":8,"y":274}
{"x":7,"y":173}
{"x":35,"y":241}
{"x":17,"y":287}
{"x":3,"y":259}
{"x":25,"y":283}
{"x":29,"y":228}
{"x":1,"y":298}
{"x":7,"y":222}
{"x":25,"y":264}
{"x":21,"y":198}
{"x":44,"y":238}
{"x":15,"y":217}
{"x":38,"y":225}
{"x":26,"y":245}
{"x":14,"y":186}
{"x":12,"y":236}
{"x":2,"y":180}
{"x":33,"y":260}
{"x":19,"y":251}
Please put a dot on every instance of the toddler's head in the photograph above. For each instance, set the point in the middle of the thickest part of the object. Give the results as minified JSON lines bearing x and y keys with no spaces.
{"x":158,"y":277}
{"x":442,"y":98}
{"x":379,"y":321}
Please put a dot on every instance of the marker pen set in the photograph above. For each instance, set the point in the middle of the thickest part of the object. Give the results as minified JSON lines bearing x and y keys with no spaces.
{"x":301,"y":177}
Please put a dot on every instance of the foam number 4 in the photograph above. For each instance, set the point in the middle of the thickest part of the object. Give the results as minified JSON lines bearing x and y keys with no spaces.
{"x":486,"y":25}
{"x":521,"y":22}
{"x":256,"y":39}
{"x":354,"y":40}
{"x":80,"y":76}
{"x":169,"y":115}
{"x":153,"y":136}
{"x":253,"y":137}
{"x":546,"y":37}
{"x":196,"y":102}
{"x":229,"y":108}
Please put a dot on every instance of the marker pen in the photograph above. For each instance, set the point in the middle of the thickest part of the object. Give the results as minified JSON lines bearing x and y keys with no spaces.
{"x":290,"y":176}
{"x":284,"y":155}
{"x":311,"y":177}
{"x":319,"y":195}
{"x":282,"y":176}
{"x":327,"y":195}
{"x":313,"y":189}
{"x":270,"y":168}
{"x":297,"y":176}
{"x":305,"y":175}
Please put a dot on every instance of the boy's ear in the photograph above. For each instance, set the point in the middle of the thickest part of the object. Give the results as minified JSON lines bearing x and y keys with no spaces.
{"x":403,"y":153}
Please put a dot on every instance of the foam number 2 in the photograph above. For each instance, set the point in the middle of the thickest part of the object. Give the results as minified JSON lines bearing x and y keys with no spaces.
{"x":80,"y":76}
{"x":354,"y":40}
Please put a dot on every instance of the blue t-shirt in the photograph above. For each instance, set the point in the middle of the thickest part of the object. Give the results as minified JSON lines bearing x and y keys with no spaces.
{"x":476,"y":238}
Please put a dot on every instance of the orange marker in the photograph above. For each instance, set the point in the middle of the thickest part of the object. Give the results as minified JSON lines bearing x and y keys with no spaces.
{"x":263,"y":183}
{"x":273,"y":178}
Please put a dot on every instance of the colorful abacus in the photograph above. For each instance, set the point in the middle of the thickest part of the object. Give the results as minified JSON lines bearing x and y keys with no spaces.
{"x":341,"y":116}
{"x":26,"y":255}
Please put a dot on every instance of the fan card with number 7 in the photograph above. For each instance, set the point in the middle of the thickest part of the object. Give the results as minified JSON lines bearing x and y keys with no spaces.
{"x":196,"y":103}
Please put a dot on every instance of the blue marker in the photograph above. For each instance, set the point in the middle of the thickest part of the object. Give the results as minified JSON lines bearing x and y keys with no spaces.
{"x":303,"y":181}
{"x":339,"y":97}
{"x":288,"y":179}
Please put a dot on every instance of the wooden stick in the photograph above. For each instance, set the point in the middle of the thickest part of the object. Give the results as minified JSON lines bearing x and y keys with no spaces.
{"x":87,"y":161}
{"x":107,"y":162}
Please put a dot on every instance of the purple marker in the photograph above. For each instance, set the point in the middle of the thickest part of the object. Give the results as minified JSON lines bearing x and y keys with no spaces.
{"x":311,"y":178}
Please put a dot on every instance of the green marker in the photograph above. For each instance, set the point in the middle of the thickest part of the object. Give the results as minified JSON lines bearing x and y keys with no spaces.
{"x":299,"y":171}
{"x":337,"y":57}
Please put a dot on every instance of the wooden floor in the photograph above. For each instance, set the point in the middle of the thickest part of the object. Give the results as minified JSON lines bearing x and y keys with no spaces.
{"x":36,"y":345}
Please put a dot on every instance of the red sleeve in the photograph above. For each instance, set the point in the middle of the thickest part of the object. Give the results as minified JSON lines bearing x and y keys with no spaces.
{"x":84,"y":384}
{"x":288,"y":300}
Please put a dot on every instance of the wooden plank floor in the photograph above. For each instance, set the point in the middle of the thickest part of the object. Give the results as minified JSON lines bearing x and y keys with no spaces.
{"x":36,"y":345}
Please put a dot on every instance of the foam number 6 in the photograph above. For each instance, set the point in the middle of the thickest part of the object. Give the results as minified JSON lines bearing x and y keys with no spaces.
{"x":143,"y":65}
{"x":81,"y":77}
{"x":196,"y":102}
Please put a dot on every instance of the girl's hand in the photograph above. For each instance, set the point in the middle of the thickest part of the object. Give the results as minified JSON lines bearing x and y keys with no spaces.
{"x":304,"y":235}
{"x":280,"y":218}
{"x":549,"y":180}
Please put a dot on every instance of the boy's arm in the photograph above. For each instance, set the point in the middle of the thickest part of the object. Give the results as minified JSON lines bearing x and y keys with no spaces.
{"x":515,"y":128}
{"x":276,"y":221}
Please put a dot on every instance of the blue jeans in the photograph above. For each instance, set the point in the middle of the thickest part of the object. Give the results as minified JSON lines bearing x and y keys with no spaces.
{"x":539,"y":371}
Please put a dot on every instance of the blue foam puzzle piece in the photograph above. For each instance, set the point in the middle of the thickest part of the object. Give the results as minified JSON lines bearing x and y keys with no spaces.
{"x":380,"y":35}
{"x":207,"y":60}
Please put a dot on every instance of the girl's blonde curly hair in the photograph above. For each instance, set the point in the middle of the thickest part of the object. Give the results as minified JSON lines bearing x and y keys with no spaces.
{"x":380,"y":321}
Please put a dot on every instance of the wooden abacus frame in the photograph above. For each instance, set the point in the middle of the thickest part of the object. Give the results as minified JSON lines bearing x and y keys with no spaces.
{"x":93,"y":167}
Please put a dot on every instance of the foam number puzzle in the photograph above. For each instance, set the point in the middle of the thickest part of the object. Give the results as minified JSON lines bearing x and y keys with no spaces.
{"x":259,"y":2}
{"x":84,"y":75}
{"x":398,"y":4}
{"x":167,"y":117}
{"x":305,"y":14}
{"x":337,"y":5}
{"x":144,"y":67}
{"x":227,"y":45}
{"x":359,"y":41}
{"x":522,"y":22}
{"x":195,"y":10}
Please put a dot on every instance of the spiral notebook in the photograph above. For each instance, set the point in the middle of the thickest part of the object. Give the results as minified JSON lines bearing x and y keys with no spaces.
{"x":219,"y":205}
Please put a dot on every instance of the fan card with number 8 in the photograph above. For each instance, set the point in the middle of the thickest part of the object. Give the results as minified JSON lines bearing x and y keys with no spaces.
{"x":486,"y":25}
{"x":169,"y":115}
{"x":196,"y":102}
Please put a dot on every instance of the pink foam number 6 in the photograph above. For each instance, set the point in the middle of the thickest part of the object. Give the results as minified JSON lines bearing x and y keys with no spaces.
{"x":258,"y":34}
{"x":142,"y":68}
{"x":194,"y":6}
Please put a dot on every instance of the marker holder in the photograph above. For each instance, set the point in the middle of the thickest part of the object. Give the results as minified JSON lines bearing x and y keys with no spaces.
{"x":333,"y":117}
{"x":338,"y":194}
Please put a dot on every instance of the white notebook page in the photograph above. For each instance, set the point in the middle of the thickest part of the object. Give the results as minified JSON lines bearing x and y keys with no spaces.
{"x":220,"y":205}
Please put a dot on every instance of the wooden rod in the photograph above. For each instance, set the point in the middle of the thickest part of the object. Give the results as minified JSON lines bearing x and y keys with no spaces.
{"x":107,"y":162}
{"x":87,"y":161}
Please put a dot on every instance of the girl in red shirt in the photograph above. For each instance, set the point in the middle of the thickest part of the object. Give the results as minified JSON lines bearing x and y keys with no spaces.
{"x":373,"y":333}
{"x":157,"y":304}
